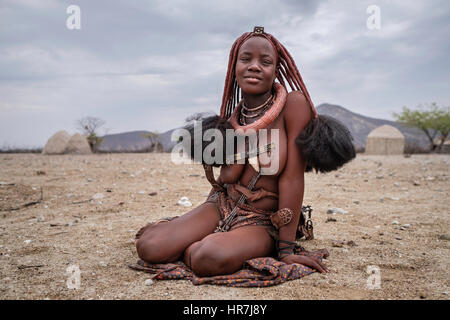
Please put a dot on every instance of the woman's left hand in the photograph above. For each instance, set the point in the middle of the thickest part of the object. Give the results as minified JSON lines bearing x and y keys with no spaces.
{"x":313,"y":263}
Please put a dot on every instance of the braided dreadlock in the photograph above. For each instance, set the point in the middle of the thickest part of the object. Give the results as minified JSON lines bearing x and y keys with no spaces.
{"x":286,"y":71}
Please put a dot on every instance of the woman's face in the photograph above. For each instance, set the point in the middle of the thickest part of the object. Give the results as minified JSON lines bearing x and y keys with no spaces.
{"x":256,"y":66}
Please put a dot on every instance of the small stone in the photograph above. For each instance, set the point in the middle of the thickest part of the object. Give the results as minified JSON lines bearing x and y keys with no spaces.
{"x":445,"y":293}
{"x":351,"y":243}
{"x":184,"y":201}
{"x":380,"y":177}
{"x":380,"y":233}
{"x":329,"y":219}
{"x":394,"y":198}
{"x":141,"y":192}
{"x":148,"y":282}
{"x":431,"y":178}
{"x":337,"y":243}
{"x":396,"y":184}
{"x":27,"y":241}
{"x":336,"y":210}
{"x":398,"y":238}
{"x":153,"y":193}
{"x":444,"y":237}
{"x":90,"y":180}
{"x":356,"y":202}
{"x":41,"y":218}
{"x":98,"y":196}
{"x":132,"y":175}
{"x":406,"y":225}
{"x":416,"y":183}
{"x":69,"y":195}
{"x":103,"y":264}
{"x":395,"y":222}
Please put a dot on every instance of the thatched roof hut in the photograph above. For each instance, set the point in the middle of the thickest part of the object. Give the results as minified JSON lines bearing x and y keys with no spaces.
{"x":385,"y":139}
{"x":78,"y":144}
{"x":57,"y":143}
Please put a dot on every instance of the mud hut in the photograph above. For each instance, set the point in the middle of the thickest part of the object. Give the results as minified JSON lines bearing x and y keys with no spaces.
{"x":385,"y":139}
{"x":57,"y":143}
{"x":78,"y":144}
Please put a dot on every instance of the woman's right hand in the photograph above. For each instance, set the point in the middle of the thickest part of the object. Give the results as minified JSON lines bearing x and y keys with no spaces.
{"x":313,"y":263}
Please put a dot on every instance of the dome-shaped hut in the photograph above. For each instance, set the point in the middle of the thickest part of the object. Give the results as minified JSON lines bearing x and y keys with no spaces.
{"x":57,"y":143}
{"x":78,"y":144}
{"x":385,"y":139}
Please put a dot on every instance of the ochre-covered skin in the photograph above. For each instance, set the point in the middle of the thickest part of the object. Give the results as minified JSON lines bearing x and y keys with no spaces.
{"x":255,"y":62}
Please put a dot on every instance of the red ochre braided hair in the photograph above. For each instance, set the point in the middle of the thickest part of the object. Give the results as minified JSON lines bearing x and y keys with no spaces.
{"x":287,"y":71}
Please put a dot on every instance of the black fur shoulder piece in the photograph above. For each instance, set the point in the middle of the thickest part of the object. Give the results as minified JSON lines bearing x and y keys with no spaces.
{"x":326,"y":144}
{"x":212,"y":122}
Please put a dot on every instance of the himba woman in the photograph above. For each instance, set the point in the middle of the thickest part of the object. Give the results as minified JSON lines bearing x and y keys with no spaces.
{"x":250,"y":215}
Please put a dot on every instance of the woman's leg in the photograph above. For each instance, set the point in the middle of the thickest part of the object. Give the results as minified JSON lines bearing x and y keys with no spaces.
{"x":225,"y":252}
{"x":165,"y":242}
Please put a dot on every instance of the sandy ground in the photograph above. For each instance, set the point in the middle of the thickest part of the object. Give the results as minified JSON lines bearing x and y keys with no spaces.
{"x":66,"y":229}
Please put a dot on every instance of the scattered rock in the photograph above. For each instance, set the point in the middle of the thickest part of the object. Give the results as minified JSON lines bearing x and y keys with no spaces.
{"x":396,"y":184}
{"x":27,"y":241}
{"x":98,"y":196}
{"x":395,"y":222}
{"x":444,"y":237}
{"x":356,"y":202}
{"x":351,"y":243}
{"x":394,"y":198}
{"x":148,"y":282}
{"x":380,"y":177}
{"x":336,"y":210}
{"x":431,"y":178}
{"x":103,"y":264}
{"x":89,"y":180}
{"x":329,"y":219}
{"x":406,"y":225}
{"x":141,"y":192}
{"x":337,"y":243}
{"x":40,"y":173}
{"x":41,"y":218}
{"x":153,"y":193}
{"x":398,"y":238}
{"x":184,"y":201}
{"x":108,"y":190}
{"x":416,"y":183}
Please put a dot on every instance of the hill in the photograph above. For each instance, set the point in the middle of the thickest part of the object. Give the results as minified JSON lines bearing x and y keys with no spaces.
{"x":360,"y":126}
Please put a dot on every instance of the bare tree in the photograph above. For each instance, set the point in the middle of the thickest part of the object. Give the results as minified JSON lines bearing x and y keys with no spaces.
{"x":89,"y":126}
{"x":153,"y":137}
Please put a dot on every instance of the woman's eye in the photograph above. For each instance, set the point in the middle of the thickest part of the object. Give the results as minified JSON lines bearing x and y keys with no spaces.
{"x":245,"y":59}
{"x":267,"y":62}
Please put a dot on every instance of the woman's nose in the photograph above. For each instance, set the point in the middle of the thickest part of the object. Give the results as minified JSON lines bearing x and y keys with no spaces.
{"x":254,"y":66}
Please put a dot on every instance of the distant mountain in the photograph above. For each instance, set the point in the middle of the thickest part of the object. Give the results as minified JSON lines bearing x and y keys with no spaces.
{"x":360,"y":126}
{"x":134,"y":141}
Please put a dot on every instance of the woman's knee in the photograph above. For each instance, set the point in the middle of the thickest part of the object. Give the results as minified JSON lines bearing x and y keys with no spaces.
{"x":207,"y":260}
{"x":154,"y":251}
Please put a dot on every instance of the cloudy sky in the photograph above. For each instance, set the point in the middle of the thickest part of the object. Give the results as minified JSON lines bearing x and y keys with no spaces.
{"x":147,"y":65}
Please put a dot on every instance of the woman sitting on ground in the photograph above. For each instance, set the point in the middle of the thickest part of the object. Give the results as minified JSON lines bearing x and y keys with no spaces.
{"x":266,"y":222}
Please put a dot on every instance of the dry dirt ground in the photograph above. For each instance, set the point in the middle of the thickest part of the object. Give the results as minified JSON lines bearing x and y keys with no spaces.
{"x":65,"y":229}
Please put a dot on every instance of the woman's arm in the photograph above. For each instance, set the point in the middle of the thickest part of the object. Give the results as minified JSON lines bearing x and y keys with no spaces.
{"x":291,"y":182}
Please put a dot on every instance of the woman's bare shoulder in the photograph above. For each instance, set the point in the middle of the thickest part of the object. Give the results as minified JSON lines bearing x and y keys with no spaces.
{"x":297,"y":113}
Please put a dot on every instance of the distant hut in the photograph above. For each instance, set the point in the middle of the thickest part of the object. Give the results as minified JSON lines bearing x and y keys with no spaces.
{"x":78,"y":144}
{"x":57,"y":143}
{"x":385,"y":139}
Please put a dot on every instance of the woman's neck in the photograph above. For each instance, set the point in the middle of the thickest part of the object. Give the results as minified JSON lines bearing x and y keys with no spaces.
{"x":253,"y":101}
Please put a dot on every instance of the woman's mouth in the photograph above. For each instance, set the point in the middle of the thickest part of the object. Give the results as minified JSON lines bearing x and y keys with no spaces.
{"x":252,"y":80}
